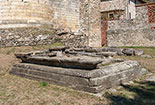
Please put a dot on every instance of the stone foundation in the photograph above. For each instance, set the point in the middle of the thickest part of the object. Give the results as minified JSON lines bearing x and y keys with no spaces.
{"x":94,"y":81}
{"x":28,"y":36}
{"x":89,"y":71}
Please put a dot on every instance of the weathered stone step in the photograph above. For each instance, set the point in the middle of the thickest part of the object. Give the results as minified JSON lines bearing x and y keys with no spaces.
{"x":95,"y":89}
{"x":53,"y":76}
{"x":110,"y":51}
{"x":94,"y":81}
{"x":55,"y":70}
{"x":104,"y":81}
{"x":106,"y":70}
{"x":59,"y":48}
{"x":66,"y":62}
{"x":113,"y":78}
{"x":97,"y":54}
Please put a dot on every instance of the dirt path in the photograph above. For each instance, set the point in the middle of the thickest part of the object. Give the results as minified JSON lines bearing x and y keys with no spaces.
{"x":6,"y":61}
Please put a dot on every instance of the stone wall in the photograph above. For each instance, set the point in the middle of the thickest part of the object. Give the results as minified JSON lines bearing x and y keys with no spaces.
{"x":79,"y":17}
{"x":84,"y":18}
{"x":119,"y":5}
{"x":29,"y":36}
{"x":23,"y":13}
{"x":94,"y":23}
{"x":65,"y":14}
{"x":90,"y":22}
{"x":22,"y":22}
{"x":134,"y":32}
{"x":113,"y":5}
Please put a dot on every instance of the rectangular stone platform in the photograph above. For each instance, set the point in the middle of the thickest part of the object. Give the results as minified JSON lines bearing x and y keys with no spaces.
{"x":66,"y":62}
{"x":93,"y":81}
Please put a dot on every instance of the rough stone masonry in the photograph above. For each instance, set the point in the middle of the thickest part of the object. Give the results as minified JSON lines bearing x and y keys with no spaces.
{"x":78,"y":22}
{"x":75,"y":17}
{"x":133,"y":32}
{"x":87,"y":69}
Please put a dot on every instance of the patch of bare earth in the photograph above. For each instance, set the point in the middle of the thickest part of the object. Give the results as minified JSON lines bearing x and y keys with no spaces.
{"x":20,"y":91}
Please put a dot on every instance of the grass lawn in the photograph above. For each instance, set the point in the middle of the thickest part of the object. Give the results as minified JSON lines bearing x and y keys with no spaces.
{"x":20,"y":91}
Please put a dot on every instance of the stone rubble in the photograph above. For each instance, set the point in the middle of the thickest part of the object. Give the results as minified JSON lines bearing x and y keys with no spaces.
{"x":109,"y":51}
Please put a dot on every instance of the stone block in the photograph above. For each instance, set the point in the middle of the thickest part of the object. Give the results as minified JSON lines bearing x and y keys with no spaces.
{"x":94,"y":81}
{"x":67,"y":62}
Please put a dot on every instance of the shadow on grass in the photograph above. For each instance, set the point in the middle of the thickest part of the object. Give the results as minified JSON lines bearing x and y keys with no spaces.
{"x":145,"y":95}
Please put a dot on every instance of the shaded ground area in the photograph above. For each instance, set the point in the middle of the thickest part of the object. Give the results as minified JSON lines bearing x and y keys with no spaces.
{"x":139,"y":93}
{"x":20,"y":91}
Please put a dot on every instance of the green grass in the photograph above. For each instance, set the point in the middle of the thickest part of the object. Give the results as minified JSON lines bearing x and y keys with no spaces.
{"x":140,"y":47}
{"x":43,"y":84}
{"x":12,"y":50}
{"x":57,"y":44}
{"x":42,"y":47}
